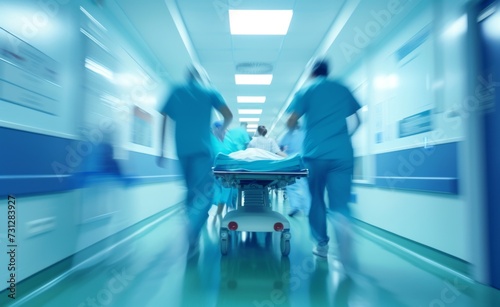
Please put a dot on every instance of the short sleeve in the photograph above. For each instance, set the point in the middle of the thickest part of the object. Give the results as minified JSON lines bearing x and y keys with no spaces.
{"x":217,"y":100}
{"x":169,"y":106}
{"x":298,"y":104}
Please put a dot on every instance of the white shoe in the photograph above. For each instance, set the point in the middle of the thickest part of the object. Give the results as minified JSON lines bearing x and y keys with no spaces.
{"x":321,"y":251}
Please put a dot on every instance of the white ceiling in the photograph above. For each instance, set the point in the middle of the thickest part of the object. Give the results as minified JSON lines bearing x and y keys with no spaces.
{"x":179,"y":32}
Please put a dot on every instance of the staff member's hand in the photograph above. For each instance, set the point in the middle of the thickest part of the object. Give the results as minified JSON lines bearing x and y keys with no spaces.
{"x":220,"y":133}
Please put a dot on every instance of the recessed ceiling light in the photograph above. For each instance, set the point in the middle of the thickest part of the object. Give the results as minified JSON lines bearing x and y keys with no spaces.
{"x":249,"y":119}
{"x":254,"y":68}
{"x":249,"y":111}
{"x":252,"y":126}
{"x":251,"y":99}
{"x":259,"y":22}
{"x":253,"y":79}
{"x":251,"y":130}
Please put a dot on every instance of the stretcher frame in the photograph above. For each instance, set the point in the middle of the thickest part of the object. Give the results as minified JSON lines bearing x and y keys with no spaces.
{"x":253,"y":210}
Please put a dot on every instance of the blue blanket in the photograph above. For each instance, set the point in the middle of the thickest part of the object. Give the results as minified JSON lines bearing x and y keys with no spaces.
{"x":289,"y":164}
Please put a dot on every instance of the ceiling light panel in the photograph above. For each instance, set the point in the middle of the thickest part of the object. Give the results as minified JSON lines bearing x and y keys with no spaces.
{"x":253,"y":79}
{"x":249,"y":119}
{"x":259,"y":22}
{"x":250,"y":111}
{"x":251,"y":99}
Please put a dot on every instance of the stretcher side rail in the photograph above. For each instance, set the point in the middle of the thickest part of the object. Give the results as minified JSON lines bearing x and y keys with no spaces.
{"x":272,"y":179}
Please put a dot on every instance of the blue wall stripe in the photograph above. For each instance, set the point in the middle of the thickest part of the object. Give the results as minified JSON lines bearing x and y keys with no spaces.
{"x":433,"y":169}
{"x":32,"y":163}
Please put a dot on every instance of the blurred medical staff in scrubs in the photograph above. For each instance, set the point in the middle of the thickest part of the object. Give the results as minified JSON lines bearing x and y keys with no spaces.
{"x":222,"y":195}
{"x":328,"y":154}
{"x":237,"y":138}
{"x":298,"y":193}
{"x":190,"y":106}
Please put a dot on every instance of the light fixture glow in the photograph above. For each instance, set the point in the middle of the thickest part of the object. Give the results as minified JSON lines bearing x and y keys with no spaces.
{"x":259,"y":22}
{"x":252,"y":126}
{"x":251,"y":130}
{"x":491,"y":26}
{"x":457,"y":28}
{"x":386,"y":81}
{"x":249,"y":119}
{"x":253,"y":79}
{"x":251,"y":99}
{"x":98,"y":69}
{"x":250,"y":111}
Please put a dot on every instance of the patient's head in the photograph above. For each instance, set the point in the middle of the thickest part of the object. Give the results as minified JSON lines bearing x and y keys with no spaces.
{"x":261,"y":130}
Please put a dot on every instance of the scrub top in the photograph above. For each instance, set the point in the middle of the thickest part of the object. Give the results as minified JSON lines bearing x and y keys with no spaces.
{"x":190,"y":106}
{"x":326,"y":104}
{"x":237,"y":139}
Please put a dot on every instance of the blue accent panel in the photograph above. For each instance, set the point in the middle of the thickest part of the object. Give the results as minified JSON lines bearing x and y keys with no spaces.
{"x":144,"y":168}
{"x":490,"y":51}
{"x":32,"y":163}
{"x":26,"y":161}
{"x":425,"y":185}
{"x":27,"y":153}
{"x":10,"y":185}
{"x":433,"y":169}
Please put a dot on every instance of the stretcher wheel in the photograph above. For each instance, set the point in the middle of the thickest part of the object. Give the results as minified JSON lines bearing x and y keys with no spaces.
{"x":224,"y":241}
{"x":285,"y":243}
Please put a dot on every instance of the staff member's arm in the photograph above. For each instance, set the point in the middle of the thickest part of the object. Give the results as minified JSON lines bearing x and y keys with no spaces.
{"x":293,"y":120}
{"x":353,"y":123}
{"x":228,"y":118}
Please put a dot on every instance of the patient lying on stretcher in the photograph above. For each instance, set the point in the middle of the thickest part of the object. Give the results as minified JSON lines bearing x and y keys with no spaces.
{"x":254,"y":154}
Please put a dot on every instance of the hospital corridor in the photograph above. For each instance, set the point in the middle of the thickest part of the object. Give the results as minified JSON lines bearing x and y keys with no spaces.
{"x":186,"y":153}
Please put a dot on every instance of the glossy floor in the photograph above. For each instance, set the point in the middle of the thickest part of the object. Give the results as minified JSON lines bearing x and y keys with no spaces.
{"x":152,"y":269}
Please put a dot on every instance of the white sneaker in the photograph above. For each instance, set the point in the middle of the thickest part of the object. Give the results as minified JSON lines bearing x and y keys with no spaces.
{"x":321,"y":251}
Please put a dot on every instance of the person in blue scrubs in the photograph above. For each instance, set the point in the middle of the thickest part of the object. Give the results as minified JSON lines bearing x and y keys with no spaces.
{"x":298,"y":193}
{"x":191,"y":106}
{"x":328,"y":154}
{"x":237,"y":138}
{"x":222,"y":195}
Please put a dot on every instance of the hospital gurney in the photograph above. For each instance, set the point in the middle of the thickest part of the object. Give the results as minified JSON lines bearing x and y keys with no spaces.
{"x":254,"y":179}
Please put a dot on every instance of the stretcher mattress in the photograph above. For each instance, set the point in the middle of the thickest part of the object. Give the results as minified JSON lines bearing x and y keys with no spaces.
{"x":257,"y":160}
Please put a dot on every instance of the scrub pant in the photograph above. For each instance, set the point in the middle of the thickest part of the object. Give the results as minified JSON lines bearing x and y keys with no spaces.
{"x":197,"y":170}
{"x":298,"y":196}
{"x":336,"y":177}
{"x":222,"y":195}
